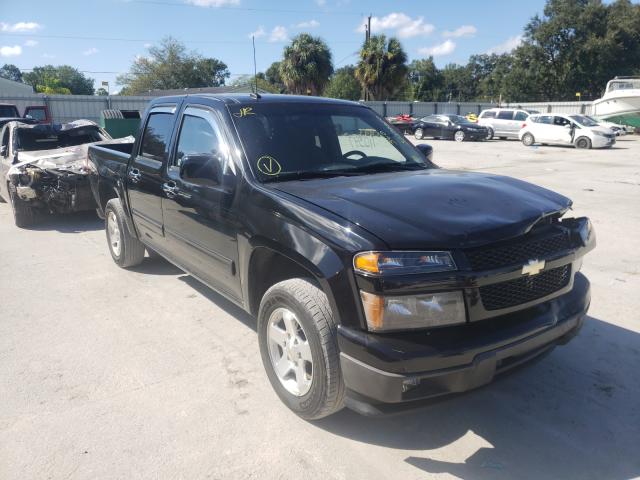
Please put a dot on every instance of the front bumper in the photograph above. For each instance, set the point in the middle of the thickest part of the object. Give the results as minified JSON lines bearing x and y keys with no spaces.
{"x":397,"y":368}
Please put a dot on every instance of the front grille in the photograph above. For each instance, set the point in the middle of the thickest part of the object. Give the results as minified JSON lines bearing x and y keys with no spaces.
{"x":517,"y":252}
{"x":526,"y":289}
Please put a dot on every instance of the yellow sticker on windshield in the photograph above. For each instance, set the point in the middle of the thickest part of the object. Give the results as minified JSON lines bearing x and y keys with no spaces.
{"x":269,"y":165}
{"x":244,"y":112}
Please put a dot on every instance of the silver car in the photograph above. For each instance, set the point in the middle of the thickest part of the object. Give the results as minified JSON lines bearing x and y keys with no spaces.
{"x":503,"y":122}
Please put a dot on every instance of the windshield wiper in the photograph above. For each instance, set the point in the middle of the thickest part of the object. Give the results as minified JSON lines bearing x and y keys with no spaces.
{"x":388,"y":167}
{"x":309,"y":174}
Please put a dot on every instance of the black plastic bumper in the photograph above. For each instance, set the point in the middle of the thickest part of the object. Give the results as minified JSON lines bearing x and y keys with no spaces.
{"x":398,"y":368}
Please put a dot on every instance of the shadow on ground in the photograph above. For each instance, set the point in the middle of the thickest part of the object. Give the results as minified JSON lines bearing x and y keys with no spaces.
{"x":68,"y":223}
{"x":575,"y":414}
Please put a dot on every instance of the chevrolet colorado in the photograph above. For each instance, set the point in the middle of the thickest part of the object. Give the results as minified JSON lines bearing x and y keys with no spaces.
{"x":377,"y":278}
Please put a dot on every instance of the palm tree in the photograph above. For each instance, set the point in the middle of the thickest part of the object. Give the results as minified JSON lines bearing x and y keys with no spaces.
{"x":382,"y":69}
{"x":306,"y":66}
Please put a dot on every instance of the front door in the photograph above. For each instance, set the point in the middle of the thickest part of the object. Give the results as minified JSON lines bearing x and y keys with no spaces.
{"x":144,"y":176}
{"x":198,"y":191}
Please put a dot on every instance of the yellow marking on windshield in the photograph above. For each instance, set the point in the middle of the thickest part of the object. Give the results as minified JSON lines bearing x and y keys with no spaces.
{"x":244,"y":112}
{"x":269,"y":165}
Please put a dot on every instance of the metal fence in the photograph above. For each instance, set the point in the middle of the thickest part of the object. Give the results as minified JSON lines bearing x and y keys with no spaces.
{"x":66,"y":108}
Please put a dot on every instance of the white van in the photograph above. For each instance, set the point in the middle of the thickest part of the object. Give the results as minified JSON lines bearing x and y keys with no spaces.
{"x":503,"y":122}
{"x":578,"y":130}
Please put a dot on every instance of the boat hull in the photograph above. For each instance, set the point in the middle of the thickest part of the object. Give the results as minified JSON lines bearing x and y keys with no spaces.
{"x":620,"y":107}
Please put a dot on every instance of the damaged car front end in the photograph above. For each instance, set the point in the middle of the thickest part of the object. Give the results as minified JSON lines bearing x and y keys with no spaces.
{"x":45,"y":167}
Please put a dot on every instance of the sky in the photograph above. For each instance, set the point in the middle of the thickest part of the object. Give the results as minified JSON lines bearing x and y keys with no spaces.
{"x":102,"y":38}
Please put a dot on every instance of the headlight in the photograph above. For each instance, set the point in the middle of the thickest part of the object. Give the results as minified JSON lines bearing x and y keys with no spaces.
{"x":401,"y":263}
{"x":587,"y":234}
{"x":410,"y":312}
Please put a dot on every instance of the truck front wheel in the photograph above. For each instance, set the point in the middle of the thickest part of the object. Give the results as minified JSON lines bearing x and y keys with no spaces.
{"x":297,"y":337}
{"x":126,"y":250}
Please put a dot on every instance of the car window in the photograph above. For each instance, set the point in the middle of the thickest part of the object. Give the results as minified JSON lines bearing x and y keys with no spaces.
{"x":196,"y":137}
{"x":488,"y":114}
{"x":505,"y":115}
{"x":560,"y":121}
{"x":156,"y":136}
{"x":8,"y":111}
{"x":37,"y":113}
{"x":547,"y":119}
{"x":520,"y":116}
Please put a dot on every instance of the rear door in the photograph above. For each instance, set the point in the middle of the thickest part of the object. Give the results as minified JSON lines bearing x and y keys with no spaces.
{"x":144,"y":174}
{"x":504,"y":124}
{"x":198,"y":192}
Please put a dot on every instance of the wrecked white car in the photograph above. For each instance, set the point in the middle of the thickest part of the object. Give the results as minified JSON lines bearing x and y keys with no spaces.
{"x":43,"y":168}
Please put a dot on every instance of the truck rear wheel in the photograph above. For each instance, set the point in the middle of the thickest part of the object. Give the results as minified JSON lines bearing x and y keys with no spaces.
{"x":126,"y":250}
{"x":297,"y":337}
{"x":23,"y":215}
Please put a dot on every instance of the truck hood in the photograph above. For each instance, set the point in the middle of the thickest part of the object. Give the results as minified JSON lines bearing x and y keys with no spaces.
{"x":433,"y":208}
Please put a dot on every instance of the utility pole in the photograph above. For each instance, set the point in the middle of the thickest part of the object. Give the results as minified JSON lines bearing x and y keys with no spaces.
{"x":367,"y":37}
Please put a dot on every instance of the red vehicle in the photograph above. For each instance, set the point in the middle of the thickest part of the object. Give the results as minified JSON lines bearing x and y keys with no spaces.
{"x":40,"y":113}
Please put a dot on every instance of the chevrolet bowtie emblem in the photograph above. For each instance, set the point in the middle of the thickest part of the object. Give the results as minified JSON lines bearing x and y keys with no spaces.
{"x":533,"y":267}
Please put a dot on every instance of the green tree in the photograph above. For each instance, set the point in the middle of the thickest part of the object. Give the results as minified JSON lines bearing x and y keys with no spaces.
{"x":382,"y":68}
{"x":306,"y":65}
{"x":11,"y":72}
{"x":343,"y":84}
{"x":272,"y":76}
{"x":171,"y":66}
{"x":426,"y":80}
{"x":61,"y":79}
{"x":102,"y":92}
{"x":250,"y":80}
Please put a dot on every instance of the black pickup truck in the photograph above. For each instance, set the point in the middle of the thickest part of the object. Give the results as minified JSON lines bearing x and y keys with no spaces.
{"x":377,"y":279}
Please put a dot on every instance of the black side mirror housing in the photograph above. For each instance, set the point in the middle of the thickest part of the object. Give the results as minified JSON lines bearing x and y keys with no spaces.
{"x":426,"y":150}
{"x":201,"y":169}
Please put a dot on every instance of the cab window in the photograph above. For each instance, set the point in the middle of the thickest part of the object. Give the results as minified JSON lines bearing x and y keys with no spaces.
{"x":156,"y":136}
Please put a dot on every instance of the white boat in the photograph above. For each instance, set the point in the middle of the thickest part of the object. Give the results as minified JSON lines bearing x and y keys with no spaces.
{"x":621,"y":102}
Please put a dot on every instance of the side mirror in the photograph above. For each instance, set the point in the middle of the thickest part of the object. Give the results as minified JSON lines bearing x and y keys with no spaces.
{"x":426,"y":150}
{"x":568,"y":125}
{"x":201,"y":169}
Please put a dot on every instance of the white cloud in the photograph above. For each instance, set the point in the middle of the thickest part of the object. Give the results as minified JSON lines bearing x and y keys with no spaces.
{"x":278,"y":34}
{"x":31,"y":43}
{"x":7,"y":51}
{"x":404,"y":25}
{"x":506,"y":46}
{"x":20,"y":27}
{"x":308,"y":24}
{"x":148,"y":45}
{"x":91,"y":51}
{"x":321,"y":3}
{"x":260,"y":32}
{"x":445,"y":48}
{"x":463,"y":31}
{"x":212,"y":3}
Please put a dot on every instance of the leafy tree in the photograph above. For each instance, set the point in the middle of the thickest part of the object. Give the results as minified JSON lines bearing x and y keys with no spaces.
{"x":171,"y":66}
{"x":306,"y":65}
{"x":102,"y":92}
{"x":272,"y":76}
{"x":62,"y":79}
{"x":382,"y":68}
{"x":343,"y":84}
{"x":11,"y":72}
{"x":250,"y":80}
{"x":426,"y":80}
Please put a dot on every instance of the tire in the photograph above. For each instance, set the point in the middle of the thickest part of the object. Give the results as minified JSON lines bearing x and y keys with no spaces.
{"x":528,"y":140}
{"x":418,"y":134}
{"x":126,"y":250}
{"x":459,"y":136}
{"x":583,"y":143}
{"x":23,"y":215}
{"x":299,"y":303}
{"x":489,"y":133}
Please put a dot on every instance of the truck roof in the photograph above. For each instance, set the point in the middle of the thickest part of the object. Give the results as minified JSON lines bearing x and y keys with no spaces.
{"x":241,"y":98}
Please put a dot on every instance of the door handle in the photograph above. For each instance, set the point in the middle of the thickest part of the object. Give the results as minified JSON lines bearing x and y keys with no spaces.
{"x":134,"y":175}
{"x":171,"y":190}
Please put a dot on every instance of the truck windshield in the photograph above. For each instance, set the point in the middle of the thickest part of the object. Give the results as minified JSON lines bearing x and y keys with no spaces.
{"x":294,"y":141}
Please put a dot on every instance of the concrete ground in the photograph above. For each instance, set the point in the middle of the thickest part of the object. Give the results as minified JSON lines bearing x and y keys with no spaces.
{"x":109,"y":373}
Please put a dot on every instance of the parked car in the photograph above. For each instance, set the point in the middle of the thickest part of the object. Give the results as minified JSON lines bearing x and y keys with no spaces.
{"x":403,"y":122}
{"x":377,"y":279}
{"x":43,"y":167}
{"x":454,"y":127}
{"x":618,"y":129}
{"x":503,"y":122}
{"x":40,"y":113}
{"x":577,"y":130}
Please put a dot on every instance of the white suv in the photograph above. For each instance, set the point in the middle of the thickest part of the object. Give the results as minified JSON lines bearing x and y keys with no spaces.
{"x":503,"y":122}
{"x":577,"y":130}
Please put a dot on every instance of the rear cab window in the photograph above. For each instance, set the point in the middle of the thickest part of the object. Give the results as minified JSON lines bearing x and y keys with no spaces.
{"x":157,"y":135}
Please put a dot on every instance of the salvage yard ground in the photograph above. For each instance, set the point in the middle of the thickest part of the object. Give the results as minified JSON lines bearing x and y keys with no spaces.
{"x":107,"y":373}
